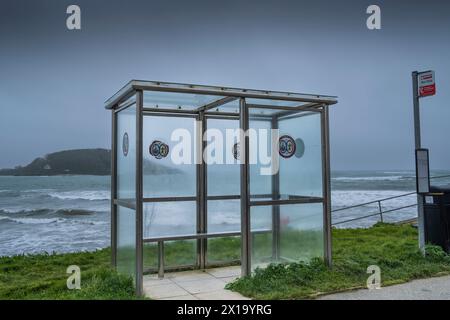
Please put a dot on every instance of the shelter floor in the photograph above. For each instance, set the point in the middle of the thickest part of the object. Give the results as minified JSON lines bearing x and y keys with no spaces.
{"x":208,"y":284}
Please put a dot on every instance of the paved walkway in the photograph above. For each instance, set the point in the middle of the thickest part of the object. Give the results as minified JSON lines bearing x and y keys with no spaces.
{"x":193,"y":285}
{"x":424,"y":289}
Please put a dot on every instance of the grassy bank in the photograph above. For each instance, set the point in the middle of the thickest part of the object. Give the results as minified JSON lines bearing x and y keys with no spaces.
{"x":44,"y":277}
{"x":393,"y":248}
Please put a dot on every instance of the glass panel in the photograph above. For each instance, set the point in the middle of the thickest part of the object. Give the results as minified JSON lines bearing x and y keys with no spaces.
{"x":223,"y":179}
{"x":261,"y":236}
{"x":126,"y":241}
{"x":264,"y":113}
{"x":176,"y":254}
{"x":224,"y":173}
{"x":224,"y":215}
{"x":301,"y":174}
{"x":300,"y":233}
{"x":260,"y":184}
{"x":150,"y":256}
{"x":126,"y":190}
{"x":231,"y":107}
{"x":224,"y":250}
{"x":176,"y":100}
{"x":180,"y":253}
{"x":300,"y":157}
{"x":127,"y":101}
{"x":275,"y":103}
{"x":126,"y":153}
{"x":169,"y":172}
{"x":169,"y":218}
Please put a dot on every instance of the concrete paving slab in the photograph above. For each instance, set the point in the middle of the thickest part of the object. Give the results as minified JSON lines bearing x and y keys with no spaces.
{"x":220,"y":295}
{"x":193,"y":285}
{"x":155,"y":281}
{"x":164,"y":291}
{"x":228,"y":279}
{"x":424,"y":289}
{"x":225,"y":272}
{"x":202,"y":286}
{"x":185,"y":297}
{"x":190,"y":276}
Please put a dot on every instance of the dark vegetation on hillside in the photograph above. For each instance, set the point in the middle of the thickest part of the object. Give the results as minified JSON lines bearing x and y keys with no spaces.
{"x":80,"y":161}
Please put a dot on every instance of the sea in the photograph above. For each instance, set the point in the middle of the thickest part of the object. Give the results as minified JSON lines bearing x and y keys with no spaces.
{"x":72,"y":213}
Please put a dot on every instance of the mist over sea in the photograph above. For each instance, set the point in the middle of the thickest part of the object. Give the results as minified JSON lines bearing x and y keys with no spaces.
{"x":72,"y":213}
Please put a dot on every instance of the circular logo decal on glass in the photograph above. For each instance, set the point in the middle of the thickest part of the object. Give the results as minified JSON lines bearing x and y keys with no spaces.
{"x":236,"y":151}
{"x":159,"y":149}
{"x":287,"y":146}
{"x":125,"y":144}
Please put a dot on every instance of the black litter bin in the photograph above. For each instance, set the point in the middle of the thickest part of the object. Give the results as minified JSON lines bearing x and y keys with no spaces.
{"x":437,"y":217}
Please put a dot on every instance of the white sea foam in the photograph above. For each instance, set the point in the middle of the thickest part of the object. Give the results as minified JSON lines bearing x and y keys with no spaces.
{"x":341,"y":198}
{"x":22,"y":210}
{"x":385,"y":178}
{"x":81,"y":195}
{"x":47,"y":221}
{"x":35,"y":220}
{"x":38,"y":190}
{"x":399,"y":172}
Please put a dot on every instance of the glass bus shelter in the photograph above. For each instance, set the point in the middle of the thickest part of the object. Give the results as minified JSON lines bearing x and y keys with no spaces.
{"x":187,"y":194}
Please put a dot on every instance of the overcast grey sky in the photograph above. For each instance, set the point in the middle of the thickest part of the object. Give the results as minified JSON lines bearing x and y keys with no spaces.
{"x":53,"y":81}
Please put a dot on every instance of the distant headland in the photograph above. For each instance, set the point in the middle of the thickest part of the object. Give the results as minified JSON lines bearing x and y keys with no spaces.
{"x":78,"y":162}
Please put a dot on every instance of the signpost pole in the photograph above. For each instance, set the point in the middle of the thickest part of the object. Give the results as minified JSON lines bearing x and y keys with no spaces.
{"x":420,"y":197}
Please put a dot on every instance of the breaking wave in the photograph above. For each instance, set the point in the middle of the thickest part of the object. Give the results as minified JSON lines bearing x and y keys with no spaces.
{"x":81,"y":195}
{"x":387,"y":178}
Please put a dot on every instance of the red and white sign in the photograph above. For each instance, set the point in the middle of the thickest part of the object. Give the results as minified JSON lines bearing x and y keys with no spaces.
{"x":426,"y":84}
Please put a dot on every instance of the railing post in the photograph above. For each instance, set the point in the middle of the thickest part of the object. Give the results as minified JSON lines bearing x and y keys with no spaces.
{"x":380,"y":210}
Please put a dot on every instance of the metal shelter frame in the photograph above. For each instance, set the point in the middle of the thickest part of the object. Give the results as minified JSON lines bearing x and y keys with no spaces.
{"x":298,"y":105}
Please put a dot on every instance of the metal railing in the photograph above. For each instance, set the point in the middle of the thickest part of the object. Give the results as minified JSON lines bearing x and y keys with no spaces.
{"x":379,"y":205}
{"x":380,"y":210}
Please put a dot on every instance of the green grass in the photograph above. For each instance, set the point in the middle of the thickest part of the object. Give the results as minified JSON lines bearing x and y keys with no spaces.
{"x":44,"y":277}
{"x":393,"y":248}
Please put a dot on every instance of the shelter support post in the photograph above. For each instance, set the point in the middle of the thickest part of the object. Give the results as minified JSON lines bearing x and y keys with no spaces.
{"x":113,"y":189}
{"x":201,"y":192}
{"x":326,"y":172}
{"x":275,"y":209}
{"x":245,"y":191}
{"x":139,"y":194}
